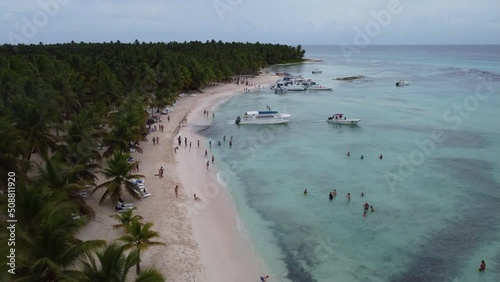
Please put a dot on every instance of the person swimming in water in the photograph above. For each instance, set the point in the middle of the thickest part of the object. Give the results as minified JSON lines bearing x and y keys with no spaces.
{"x":305,"y":192}
{"x":366,"y":206}
{"x":348,"y":154}
{"x":362,"y":194}
{"x":372,"y":210}
{"x":380,"y":156}
{"x":482,"y":267}
{"x":348,"y":196}
{"x":362,"y":157}
{"x":331,"y":196}
{"x":334,"y":192}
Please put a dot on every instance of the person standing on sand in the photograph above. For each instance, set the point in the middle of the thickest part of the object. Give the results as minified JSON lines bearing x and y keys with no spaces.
{"x":157,"y":140}
{"x":213,"y":158}
{"x":264,"y":278}
{"x":185,"y":141}
{"x":175,"y":149}
{"x":137,"y":166}
{"x":208,"y":164}
{"x":198,"y":143}
{"x":168,"y":117}
{"x":176,"y":189}
{"x":154,"y":141}
{"x":179,"y":139}
{"x":206,"y":153}
{"x":189,"y":145}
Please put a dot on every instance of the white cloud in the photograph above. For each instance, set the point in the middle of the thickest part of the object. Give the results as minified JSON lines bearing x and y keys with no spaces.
{"x":292,"y":21}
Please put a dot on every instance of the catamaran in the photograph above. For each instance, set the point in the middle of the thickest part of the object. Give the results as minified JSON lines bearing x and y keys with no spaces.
{"x":262,"y":117}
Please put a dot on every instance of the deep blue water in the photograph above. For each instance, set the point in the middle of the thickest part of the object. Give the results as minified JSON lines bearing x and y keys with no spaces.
{"x":436,"y":192}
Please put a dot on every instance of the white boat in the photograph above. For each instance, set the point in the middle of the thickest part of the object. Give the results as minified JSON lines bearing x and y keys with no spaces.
{"x":318,"y":87}
{"x":279,"y":87}
{"x":262,"y":117}
{"x":317,"y":71}
{"x":341,"y":119}
{"x":296,"y":87}
{"x":402,"y":83}
{"x":280,"y":90}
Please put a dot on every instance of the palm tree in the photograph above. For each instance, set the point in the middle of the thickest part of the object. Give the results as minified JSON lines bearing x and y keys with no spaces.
{"x":11,"y":150}
{"x":33,"y":123}
{"x":118,"y":175}
{"x":112,"y":265}
{"x":139,"y":238}
{"x":48,"y":253}
{"x":125,"y":218}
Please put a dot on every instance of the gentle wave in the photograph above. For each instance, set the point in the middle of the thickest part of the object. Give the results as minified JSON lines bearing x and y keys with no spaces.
{"x":471,"y":71}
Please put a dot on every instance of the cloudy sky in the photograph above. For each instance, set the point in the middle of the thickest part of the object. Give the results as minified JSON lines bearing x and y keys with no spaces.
{"x":276,"y":21}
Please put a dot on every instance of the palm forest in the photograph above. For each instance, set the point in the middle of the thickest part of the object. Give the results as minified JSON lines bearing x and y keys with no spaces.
{"x":70,"y":113}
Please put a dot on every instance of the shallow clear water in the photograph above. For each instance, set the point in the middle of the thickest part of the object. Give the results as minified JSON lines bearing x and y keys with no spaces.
{"x":436,"y":202}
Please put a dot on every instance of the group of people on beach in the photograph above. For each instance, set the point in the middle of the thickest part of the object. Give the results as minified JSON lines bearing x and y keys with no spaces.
{"x":205,"y":114}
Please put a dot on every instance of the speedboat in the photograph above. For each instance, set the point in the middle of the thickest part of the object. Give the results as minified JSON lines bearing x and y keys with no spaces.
{"x":402,"y":83}
{"x":296,"y":87}
{"x":341,"y":119}
{"x":317,"y":71}
{"x":262,"y":117}
{"x":318,"y":87}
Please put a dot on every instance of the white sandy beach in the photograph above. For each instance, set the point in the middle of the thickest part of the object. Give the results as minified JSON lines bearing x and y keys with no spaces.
{"x":204,"y":240}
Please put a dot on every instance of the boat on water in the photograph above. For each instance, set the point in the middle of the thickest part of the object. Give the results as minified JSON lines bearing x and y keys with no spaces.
{"x":341,"y":119}
{"x":318,"y":87}
{"x":262,"y":117}
{"x":317,"y":71}
{"x":296,"y":87}
{"x":402,"y":83}
{"x":280,"y":90}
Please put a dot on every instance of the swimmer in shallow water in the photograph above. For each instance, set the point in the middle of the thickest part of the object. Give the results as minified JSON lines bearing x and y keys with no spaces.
{"x":305,"y":192}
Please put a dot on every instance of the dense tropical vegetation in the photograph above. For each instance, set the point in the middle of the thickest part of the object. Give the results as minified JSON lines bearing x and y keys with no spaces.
{"x":71,"y":112}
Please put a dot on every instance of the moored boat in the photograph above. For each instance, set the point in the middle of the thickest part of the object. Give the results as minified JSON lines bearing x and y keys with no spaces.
{"x":317,"y":71}
{"x":318,"y":87}
{"x":262,"y":117}
{"x":296,"y":87}
{"x":280,"y":90}
{"x":402,"y":83}
{"x":341,"y":119}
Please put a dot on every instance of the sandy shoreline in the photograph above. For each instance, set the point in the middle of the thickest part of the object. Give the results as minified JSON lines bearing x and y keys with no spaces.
{"x":205,"y":241}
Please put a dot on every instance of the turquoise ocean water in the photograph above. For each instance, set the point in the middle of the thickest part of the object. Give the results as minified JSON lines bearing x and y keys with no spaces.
{"x":437,"y":201}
